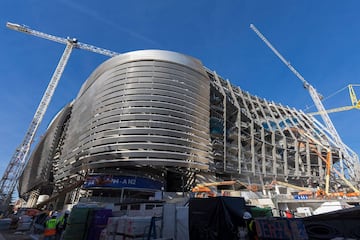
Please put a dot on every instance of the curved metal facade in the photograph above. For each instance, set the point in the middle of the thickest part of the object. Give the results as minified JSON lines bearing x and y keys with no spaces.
{"x":38,"y":173}
{"x":156,"y":113}
{"x":142,"y":108}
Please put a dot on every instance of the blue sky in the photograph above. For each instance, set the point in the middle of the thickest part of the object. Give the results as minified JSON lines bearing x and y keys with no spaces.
{"x":320,"y":38}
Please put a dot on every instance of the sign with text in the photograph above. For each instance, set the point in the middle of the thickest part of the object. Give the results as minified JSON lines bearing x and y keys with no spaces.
{"x":280,"y":228}
{"x":112,"y":181}
{"x":301,"y":197}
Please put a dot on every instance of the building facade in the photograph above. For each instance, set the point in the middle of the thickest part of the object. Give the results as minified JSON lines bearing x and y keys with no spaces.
{"x":154,"y":120}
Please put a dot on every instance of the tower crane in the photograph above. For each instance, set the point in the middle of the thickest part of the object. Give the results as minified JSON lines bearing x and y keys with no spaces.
{"x":355,"y":103}
{"x":354,"y":170}
{"x":20,"y":157}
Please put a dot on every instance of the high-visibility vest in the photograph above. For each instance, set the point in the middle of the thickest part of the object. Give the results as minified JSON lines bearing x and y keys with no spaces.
{"x":61,"y":223}
{"x":50,"y":227}
{"x":251,"y":225}
{"x":61,"y":220}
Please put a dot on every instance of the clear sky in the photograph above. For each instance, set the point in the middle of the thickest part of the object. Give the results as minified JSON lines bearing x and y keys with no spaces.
{"x":320,"y":38}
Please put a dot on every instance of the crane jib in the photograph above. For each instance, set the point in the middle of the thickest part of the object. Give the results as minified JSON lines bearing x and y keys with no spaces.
{"x":20,"y":157}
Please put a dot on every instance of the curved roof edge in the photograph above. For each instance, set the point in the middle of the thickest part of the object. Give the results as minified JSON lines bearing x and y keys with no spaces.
{"x":160,"y":55}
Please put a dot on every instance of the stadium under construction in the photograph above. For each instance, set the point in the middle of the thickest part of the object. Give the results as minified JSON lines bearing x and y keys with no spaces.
{"x":154,"y":121}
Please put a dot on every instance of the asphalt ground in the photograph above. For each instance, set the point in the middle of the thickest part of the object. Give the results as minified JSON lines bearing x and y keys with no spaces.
{"x":12,"y":234}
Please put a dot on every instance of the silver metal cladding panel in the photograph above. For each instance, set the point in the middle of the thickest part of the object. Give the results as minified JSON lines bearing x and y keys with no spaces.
{"x":146,"y":107}
{"x":41,"y":163}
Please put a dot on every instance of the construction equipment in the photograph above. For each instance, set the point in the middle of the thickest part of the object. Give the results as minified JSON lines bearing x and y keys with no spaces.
{"x":302,"y":190}
{"x":202,"y":189}
{"x":328,"y":162}
{"x":326,"y":193}
{"x":355,"y":103}
{"x":20,"y":157}
{"x":353,"y":172}
{"x":216,"y":183}
{"x":61,"y":193}
{"x":289,"y":185}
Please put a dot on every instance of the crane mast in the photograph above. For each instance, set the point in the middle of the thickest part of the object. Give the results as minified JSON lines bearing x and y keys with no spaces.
{"x":320,"y":107}
{"x":20,"y":157}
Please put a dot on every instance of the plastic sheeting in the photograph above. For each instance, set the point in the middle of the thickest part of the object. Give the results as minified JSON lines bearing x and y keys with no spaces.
{"x":175,"y":222}
{"x":182,"y":219}
{"x":342,"y":224}
{"x":215,"y":218}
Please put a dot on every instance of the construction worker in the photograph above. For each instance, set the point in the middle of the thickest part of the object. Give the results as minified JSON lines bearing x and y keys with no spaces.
{"x":288,"y":213}
{"x":250,"y":227}
{"x":50,"y":228}
{"x":252,"y":230}
{"x":244,"y":230}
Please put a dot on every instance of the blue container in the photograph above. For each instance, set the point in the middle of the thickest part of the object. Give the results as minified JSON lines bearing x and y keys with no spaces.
{"x":100,"y":216}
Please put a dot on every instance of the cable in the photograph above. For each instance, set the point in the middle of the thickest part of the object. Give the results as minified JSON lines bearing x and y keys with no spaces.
{"x":330,"y":96}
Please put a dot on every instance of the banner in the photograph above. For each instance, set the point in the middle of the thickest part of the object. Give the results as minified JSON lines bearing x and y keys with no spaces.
{"x":111,"y":181}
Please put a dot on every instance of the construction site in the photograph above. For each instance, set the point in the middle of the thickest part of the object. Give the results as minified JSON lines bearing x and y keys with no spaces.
{"x":152,"y":127}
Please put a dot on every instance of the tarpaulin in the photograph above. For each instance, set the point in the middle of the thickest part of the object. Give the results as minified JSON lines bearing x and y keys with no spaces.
{"x":343,"y":223}
{"x":215,"y":218}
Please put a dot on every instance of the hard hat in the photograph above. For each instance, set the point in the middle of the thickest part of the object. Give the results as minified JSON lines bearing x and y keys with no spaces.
{"x":247,"y":215}
{"x":67,"y":212}
{"x":55,"y":214}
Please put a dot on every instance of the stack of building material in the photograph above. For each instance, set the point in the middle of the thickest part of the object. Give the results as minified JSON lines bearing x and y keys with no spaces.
{"x":126,"y":227}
